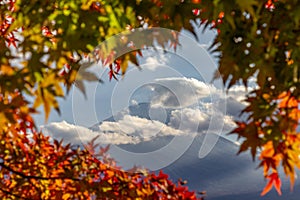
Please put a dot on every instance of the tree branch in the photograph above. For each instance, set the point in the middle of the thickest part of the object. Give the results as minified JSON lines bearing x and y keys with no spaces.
{"x":35,"y":177}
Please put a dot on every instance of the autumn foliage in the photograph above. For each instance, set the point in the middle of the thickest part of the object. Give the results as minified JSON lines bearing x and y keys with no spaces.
{"x":41,"y":56}
{"x":32,"y":167}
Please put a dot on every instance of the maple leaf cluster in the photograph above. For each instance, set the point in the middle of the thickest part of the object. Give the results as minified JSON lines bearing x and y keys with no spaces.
{"x":33,"y":167}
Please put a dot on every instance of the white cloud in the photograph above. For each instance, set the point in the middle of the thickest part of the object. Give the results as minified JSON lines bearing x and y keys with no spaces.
{"x":186,"y":103}
{"x":188,"y":119}
{"x":128,"y":130}
{"x":154,"y":60}
{"x":80,"y":135}
{"x":180,"y":92}
{"x":196,"y":120}
{"x":139,"y":127}
{"x":238,"y":92}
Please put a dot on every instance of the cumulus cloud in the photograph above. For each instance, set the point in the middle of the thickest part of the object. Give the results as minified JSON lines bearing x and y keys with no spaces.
{"x":199,"y":121}
{"x":75,"y":134}
{"x":188,"y":119}
{"x":180,"y":92}
{"x":178,"y":106}
{"x":196,"y":105}
{"x":128,"y":130}
{"x":154,"y":60}
{"x":138,"y":127}
{"x":238,"y":92}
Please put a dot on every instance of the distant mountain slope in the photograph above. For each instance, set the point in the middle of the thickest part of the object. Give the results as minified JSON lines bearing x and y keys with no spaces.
{"x":224,"y":175}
